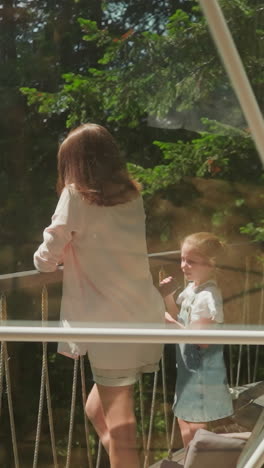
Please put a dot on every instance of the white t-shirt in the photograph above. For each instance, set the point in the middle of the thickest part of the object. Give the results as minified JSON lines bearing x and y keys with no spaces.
{"x":204,"y":301}
{"x":106,"y":274}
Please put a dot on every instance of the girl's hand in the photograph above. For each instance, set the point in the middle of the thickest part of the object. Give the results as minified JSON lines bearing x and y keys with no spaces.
{"x":169,"y":318}
{"x":168,"y":286}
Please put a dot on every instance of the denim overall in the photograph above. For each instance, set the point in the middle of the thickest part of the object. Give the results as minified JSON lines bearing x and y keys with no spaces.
{"x":202,"y":392}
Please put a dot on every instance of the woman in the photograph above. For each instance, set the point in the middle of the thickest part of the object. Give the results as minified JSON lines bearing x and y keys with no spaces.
{"x":98,"y":232}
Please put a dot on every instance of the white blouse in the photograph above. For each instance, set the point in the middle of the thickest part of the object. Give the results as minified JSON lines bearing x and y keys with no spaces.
{"x":106,"y":274}
{"x":204,"y":301}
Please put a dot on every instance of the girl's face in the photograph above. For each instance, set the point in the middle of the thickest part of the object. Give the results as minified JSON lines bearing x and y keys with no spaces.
{"x":195,"y":266}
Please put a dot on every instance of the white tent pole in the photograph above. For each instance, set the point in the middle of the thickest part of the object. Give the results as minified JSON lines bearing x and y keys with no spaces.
{"x":257,"y":457}
{"x":235,"y":70}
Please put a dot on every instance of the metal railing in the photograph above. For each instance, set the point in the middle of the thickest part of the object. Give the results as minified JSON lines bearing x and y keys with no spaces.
{"x":44,"y":331}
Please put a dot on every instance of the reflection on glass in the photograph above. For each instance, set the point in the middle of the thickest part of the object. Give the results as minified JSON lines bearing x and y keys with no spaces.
{"x":150,"y":73}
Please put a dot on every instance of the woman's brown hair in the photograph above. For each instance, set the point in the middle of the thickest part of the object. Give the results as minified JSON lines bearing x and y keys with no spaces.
{"x":90,"y":159}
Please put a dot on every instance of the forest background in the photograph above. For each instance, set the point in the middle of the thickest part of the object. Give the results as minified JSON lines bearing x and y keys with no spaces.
{"x":150,"y":72}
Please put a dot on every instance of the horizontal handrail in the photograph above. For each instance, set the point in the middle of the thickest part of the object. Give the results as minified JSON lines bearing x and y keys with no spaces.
{"x":167,"y":334}
{"x":34,"y":278}
{"x":29,"y":279}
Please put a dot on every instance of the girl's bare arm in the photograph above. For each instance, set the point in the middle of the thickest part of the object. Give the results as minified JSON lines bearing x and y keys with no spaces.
{"x":171,"y":306}
{"x":167,"y":289}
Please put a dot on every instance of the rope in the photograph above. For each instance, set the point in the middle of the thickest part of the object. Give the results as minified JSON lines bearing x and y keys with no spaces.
{"x":246,"y":303}
{"x":243,"y":321}
{"x":42,"y":388}
{"x":1,"y":374}
{"x":51,"y":424}
{"x":142,"y":414}
{"x":248,"y":363}
{"x":10,"y":406}
{"x":44,"y":313}
{"x":73,"y":403}
{"x":99,"y":455}
{"x":261,"y":307}
{"x":86,"y":426}
{"x":239,"y":365}
{"x":231,"y":377}
{"x":172,"y":438}
{"x":1,"y":355}
{"x":5,"y":369}
{"x":164,"y":387}
{"x":151,"y":418}
{"x":162,"y":275}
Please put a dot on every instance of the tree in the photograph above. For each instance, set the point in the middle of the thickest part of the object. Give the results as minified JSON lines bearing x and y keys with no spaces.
{"x":40,"y":43}
{"x":147,"y":73}
{"x":39,"y":40}
{"x":120,"y":70}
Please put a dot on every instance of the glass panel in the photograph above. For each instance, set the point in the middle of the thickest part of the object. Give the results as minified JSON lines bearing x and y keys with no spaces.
{"x":151,"y":74}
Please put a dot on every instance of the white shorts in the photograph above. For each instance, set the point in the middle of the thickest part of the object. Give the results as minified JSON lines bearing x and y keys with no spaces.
{"x":120,"y":377}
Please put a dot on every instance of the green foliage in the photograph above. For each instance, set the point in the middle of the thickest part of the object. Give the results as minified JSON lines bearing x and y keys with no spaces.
{"x":149,"y":73}
{"x":255,"y":230}
{"x":78,"y":99}
{"x":219,"y":216}
{"x":135,"y":74}
{"x":229,"y":154}
{"x":153,"y":180}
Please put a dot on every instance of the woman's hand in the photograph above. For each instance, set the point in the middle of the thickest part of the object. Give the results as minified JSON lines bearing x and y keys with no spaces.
{"x":168,"y":286}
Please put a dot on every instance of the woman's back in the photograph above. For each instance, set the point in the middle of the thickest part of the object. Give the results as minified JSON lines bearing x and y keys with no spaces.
{"x":108,"y":248}
{"x":106,"y":272}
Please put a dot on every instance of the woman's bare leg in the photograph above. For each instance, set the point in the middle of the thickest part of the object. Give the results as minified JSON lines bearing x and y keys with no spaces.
{"x":118,"y":409}
{"x":188,"y":430}
{"x":95,"y":413}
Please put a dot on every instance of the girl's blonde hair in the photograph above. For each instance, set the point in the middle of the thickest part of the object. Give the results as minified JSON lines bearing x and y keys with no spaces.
{"x":90,"y":159}
{"x":208,"y":245}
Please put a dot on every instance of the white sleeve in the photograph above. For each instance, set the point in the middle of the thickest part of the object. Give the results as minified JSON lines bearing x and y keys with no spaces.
{"x":209,"y":305}
{"x":58,"y":234}
{"x":183,"y":294}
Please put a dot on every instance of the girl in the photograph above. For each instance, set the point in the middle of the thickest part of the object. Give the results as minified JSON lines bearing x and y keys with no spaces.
{"x":202,"y":393}
{"x":98,"y":232}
